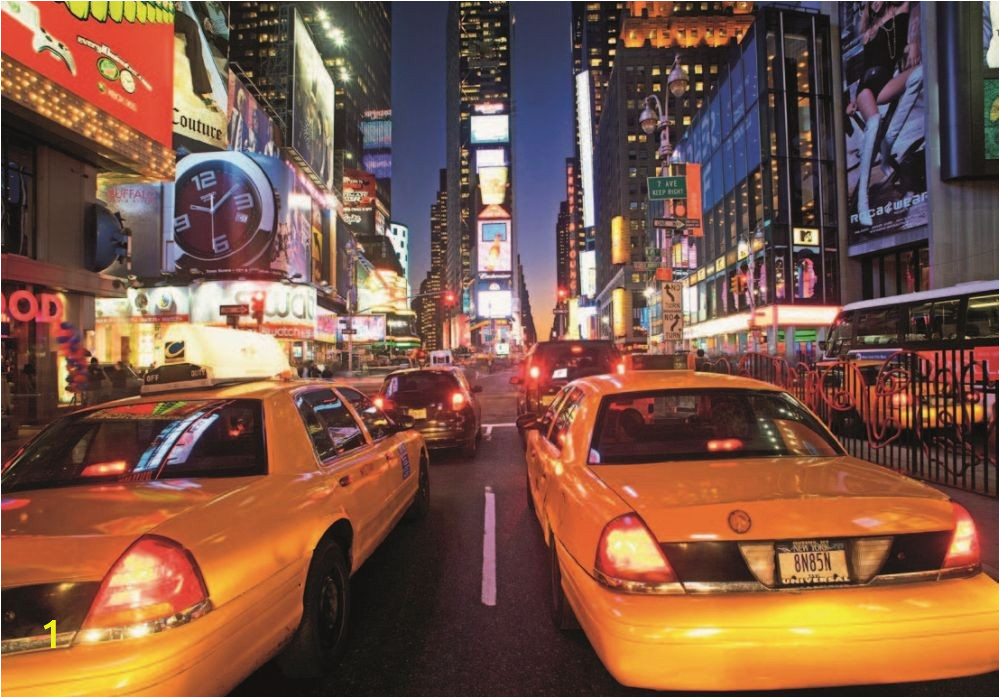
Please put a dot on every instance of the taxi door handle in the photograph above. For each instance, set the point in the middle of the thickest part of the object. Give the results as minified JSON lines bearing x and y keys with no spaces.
{"x":345,"y":481}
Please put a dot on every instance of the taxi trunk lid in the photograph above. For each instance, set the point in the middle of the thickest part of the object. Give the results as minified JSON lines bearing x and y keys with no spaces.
{"x":783,"y":498}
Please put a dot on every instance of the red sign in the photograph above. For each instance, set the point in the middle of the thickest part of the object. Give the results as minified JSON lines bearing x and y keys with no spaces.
{"x":26,"y":306}
{"x":118,"y":56}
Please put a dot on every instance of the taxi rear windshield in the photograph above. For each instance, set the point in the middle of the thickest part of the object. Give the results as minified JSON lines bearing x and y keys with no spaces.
{"x":672,"y":425}
{"x":564,"y":362}
{"x":144,"y":441}
{"x":420,"y":388}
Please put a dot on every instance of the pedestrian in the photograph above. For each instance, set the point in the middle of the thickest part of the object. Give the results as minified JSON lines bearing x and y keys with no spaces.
{"x":95,"y":381}
{"x":327,"y":374}
{"x":701,"y":361}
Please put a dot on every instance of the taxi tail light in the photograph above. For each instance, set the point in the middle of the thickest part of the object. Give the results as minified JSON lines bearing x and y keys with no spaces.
{"x":963,"y":551}
{"x":534,"y":372}
{"x":379,"y":402}
{"x":155,"y":580}
{"x":457,"y":400}
{"x":620,"y":368}
{"x":868,"y":555}
{"x":627,"y":553}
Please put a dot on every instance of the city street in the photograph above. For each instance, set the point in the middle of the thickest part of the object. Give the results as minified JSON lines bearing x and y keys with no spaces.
{"x":419,"y":626}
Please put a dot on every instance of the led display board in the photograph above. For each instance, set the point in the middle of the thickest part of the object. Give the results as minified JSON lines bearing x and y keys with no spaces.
{"x":490,"y":157}
{"x":117,"y":56}
{"x":490,"y":129}
{"x":201,"y":81}
{"x":492,"y":185}
{"x":494,"y":246}
{"x":586,"y":140}
{"x":289,"y":309}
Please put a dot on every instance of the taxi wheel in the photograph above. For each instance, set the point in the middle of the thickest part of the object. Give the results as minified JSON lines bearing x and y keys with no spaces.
{"x":562,"y":614}
{"x":422,"y":502}
{"x":322,"y":633}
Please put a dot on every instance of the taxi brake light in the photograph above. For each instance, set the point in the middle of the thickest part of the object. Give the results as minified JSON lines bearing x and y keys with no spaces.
{"x":534,"y":372}
{"x":628,"y":553}
{"x":964,"y":548}
{"x":715,"y":445}
{"x":620,"y":368}
{"x":154,"y":585}
{"x":114,"y":467}
{"x":457,"y":401}
{"x":379,"y":402}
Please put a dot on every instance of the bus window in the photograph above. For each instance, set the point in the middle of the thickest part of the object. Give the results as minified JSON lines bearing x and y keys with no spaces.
{"x":932,"y":321}
{"x":981,"y":318}
{"x":877,"y":327}
{"x":841,"y":335}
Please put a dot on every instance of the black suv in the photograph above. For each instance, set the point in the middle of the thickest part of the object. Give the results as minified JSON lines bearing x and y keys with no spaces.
{"x":551,"y":365}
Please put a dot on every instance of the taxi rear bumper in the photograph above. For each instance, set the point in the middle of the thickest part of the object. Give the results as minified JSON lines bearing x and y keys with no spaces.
{"x":789,"y":639}
{"x":208,"y":656}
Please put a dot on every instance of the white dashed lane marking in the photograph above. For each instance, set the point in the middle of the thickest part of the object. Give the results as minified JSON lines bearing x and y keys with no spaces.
{"x":489,"y":589}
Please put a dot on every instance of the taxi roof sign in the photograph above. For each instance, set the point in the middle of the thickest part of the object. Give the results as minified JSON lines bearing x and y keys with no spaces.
{"x":201,"y":356}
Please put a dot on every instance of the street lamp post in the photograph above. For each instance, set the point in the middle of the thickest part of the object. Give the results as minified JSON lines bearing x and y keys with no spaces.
{"x":656,"y":118}
{"x":758,"y":236}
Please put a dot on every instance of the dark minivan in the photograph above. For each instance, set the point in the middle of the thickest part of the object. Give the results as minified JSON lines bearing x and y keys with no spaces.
{"x":441,"y":403}
{"x":551,"y":365}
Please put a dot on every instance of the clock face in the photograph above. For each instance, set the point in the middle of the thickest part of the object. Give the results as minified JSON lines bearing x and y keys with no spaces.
{"x":219,"y":212}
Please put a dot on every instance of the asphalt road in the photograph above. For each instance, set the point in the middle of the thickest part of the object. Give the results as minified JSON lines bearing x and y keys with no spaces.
{"x":420,"y":627}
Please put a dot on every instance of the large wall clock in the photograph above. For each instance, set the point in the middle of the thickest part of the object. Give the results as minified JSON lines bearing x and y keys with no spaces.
{"x":224,"y":212}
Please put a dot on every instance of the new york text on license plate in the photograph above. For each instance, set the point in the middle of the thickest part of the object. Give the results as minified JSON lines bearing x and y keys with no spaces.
{"x":803,"y":562}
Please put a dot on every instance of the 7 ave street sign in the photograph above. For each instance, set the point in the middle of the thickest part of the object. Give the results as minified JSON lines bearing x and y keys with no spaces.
{"x":663,"y":188}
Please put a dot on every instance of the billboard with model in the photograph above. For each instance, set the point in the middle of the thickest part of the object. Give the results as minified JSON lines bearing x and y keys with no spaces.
{"x":885,"y":125}
{"x":201,"y":75}
{"x":250,"y":128}
{"x":494,"y":246}
{"x":312,"y":106}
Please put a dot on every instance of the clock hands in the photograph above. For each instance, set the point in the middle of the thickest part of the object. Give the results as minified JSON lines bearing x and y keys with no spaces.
{"x":224,"y":197}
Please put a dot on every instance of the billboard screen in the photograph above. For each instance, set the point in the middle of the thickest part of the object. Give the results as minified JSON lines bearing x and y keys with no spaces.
{"x":490,"y":157}
{"x":201,"y":75}
{"x":250,"y":127}
{"x":588,"y":273}
{"x":379,"y":164}
{"x":492,"y":185}
{"x":586,"y":139}
{"x":494,"y":246}
{"x":886,"y":174}
{"x":367,"y":328}
{"x":289,"y":309}
{"x":117,"y":56}
{"x":376,"y":134}
{"x":233,"y":211}
{"x":494,"y":304}
{"x":312,"y":106}
{"x":359,"y":201}
{"x":991,"y":64}
{"x":493,"y":128}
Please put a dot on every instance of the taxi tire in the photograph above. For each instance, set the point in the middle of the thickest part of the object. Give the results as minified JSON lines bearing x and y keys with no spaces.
{"x":421,"y":503}
{"x":562,"y":615}
{"x":307,"y":656}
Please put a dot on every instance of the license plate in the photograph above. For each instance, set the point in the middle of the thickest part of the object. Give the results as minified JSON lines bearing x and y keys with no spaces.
{"x":547,"y":399}
{"x":804,"y":562}
{"x":419,"y":414}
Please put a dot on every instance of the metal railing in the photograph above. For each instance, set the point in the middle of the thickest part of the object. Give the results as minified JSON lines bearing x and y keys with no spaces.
{"x":931,"y":415}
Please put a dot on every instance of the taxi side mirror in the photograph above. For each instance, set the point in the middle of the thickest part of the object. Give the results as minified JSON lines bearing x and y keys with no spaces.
{"x":515,"y":380}
{"x":822,"y":344}
{"x":527,"y":422}
{"x":404,"y":422}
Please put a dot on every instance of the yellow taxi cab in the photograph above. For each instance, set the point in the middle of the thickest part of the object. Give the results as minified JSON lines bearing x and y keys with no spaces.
{"x":888,"y":395}
{"x":707,"y":532}
{"x":171,"y":543}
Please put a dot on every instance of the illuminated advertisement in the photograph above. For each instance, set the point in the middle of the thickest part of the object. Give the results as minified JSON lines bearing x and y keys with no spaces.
{"x":588,"y":273}
{"x":140,"y":204}
{"x":250,"y":127}
{"x":490,"y":157}
{"x":621,"y":312}
{"x":490,"y":128}
{"x":692,"y":175}
{"x":312,"y":106}
{"x":367,"y":328}
{"x":359,"y":201}
{"x":492,"y":185}
{"x":584,"y":118}
{"x":289,"y":309}
{"x":160,"y":304}
{"x":379,"y":164}
{"x":376,"y":130}
{"x":884,"y":128}
{"x":619,"y":241}
{"x":236,"y":211}
{"x":201,"y":75}
{"x":117,"y":56}
{"x":494,"y":304}
{"x":494,"y":246}
{"x":991,"y":64}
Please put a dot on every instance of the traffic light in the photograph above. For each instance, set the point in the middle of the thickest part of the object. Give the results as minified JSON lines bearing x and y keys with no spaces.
{"x":257,"y":301}
{"x":562,"y":293}
{"x":449,"y":298}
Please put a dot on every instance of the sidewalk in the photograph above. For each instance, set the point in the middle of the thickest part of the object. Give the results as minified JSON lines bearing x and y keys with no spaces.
{"x":984,"y":511}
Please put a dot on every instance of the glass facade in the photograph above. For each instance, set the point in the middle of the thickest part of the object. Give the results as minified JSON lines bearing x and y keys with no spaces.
{"x":765,"y":142}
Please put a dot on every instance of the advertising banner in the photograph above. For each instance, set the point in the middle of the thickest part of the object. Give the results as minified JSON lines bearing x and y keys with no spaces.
{"x":140,"y":204}
{"x":692,"y":173}
{"x":885,"y":122}
{"x":312,"y":106}
{"x":201,"y":76}
{"x":494,"y":303}
{"x":379,"y":164}
{"x":588,"y":273}
{"x":494,"y":246}
{"x":492,"y":185}
{"x":235,"y":211}
{"x":367,"y":328}
{"x":289,"y":309}
{"x":160,"y":304}
{"x":117,"y":56}
{"x":619,"y":241}
{"x":490,"y":157}
{"x":250,"y":127}
{"x":991,"y":64}
{"x":376,"y":129}
{"x":493,"y":128}
{"x":359,"y":201}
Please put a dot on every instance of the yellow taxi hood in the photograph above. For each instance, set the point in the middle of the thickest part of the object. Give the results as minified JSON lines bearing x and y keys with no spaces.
{"x":77,"y":533}
{"x":784,"y":497}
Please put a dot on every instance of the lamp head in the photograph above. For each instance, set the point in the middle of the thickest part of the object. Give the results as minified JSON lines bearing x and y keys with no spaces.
{"x":678,"y":81}
{"x":648,"y":120}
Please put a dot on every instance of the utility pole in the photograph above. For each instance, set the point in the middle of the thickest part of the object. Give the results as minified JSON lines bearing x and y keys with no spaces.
{"x":352,"y":303}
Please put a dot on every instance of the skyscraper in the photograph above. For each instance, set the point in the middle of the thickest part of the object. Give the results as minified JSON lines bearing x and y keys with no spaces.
{"x":482,"y":240}
{"x":429,"y":305}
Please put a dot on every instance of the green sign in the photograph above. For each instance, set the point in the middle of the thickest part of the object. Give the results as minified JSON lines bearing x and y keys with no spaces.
{"x":662,"y":188}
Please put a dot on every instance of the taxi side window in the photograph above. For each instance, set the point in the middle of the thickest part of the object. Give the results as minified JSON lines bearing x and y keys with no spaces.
{"x":330,"y":424}
{"x":564,"y":418}
{"x":375,"y":420}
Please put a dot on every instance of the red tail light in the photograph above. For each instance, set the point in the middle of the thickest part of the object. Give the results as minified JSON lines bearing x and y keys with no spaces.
{"x":620,"y":369}
{"x":964,"y":548}
{"x":379,"y":402}
{"x":114,"y":467}
{"x":725,"y":445}
{"x":148,"y":589}
{"x":534,"y":372}
{"x":457,"y":401}
{"x":627,"y":554}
